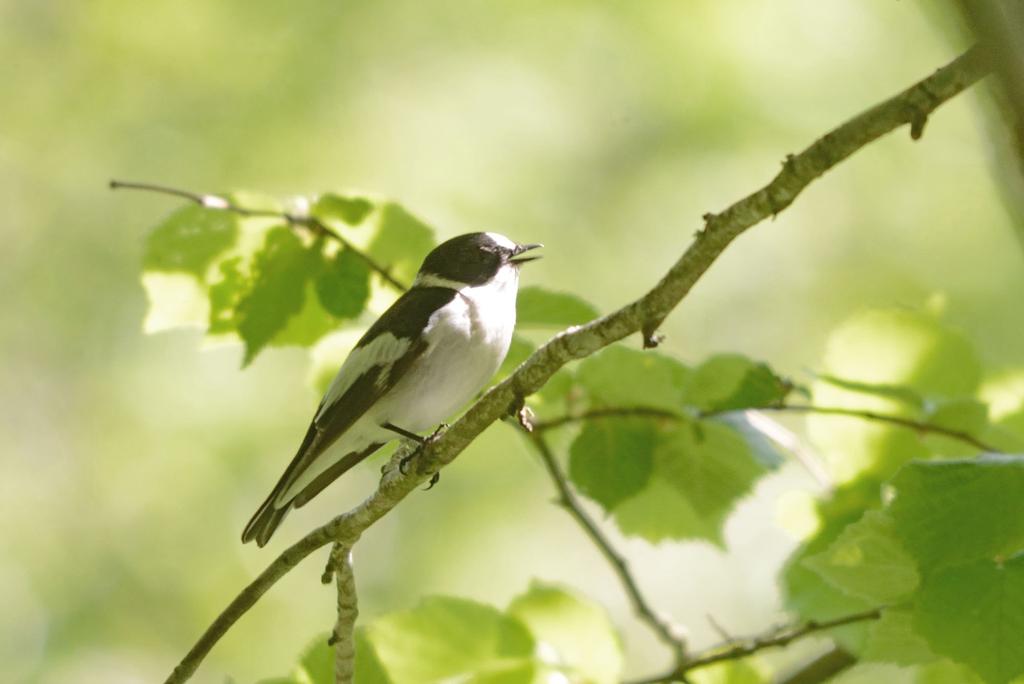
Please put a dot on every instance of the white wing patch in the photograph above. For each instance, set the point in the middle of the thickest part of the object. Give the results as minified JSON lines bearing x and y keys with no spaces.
{"x":501,"y":240}
{"x":383,"y":350}
{"x":431,"y":280}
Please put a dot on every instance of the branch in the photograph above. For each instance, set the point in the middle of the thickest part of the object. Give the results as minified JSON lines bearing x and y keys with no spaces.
{"x":900,"y":421}
{"x":737,"y":649}
{"x":642,"y":315}
{"x":909,"y":423}
{"x":668,"y":633}
{"x":608,"y":412}
{"x":310,"y":223}
{"x":343,"y":637}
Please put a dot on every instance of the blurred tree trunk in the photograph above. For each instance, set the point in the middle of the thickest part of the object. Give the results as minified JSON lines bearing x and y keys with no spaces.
{"x":998,"y":25}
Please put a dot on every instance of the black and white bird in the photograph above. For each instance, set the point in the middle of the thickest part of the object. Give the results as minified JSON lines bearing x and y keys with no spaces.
{"x":427,"y":355}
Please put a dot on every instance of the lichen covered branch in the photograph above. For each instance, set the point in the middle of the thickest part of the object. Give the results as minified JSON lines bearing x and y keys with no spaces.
{"x":343,"y":636}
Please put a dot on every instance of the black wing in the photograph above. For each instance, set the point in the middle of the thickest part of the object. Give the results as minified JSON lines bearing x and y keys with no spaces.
{"x":404,"y":320}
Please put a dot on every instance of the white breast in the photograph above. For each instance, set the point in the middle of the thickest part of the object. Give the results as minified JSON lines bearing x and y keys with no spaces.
{"x":468,"y":339}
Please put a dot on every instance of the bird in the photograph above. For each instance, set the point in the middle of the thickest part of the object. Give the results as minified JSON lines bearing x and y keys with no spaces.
{"x":429,"y":353}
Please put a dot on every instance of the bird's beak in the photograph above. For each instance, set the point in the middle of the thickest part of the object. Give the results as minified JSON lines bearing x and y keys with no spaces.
{"x":524,"y":248}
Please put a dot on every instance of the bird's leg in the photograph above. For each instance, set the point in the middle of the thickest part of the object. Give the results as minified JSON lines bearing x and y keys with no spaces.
{"x":404,"y":433}
{"x":423,"y":443}
{"x":434,"y":436}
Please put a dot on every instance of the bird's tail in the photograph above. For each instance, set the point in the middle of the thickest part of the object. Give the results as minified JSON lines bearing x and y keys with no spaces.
{"x":270,"y":514}
{"x":266,"y":519}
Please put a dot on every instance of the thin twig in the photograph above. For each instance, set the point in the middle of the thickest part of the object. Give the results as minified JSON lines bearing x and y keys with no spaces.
{"x":608,"y":412}
{"x":735,"y":650}
{"x":670,"y":634}
{"x":909,"y":423}
{"x":221,"y":203}
{"x":661,"y":414}
{"x":719,"y":629}
{"x":343,"y":636}
{"x":642,"y":315}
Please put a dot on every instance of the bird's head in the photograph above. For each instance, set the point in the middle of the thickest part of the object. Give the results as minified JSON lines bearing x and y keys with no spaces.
{"x":473,"y":259}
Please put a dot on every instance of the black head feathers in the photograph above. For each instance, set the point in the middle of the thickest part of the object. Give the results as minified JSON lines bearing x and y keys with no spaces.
{"x":473,"y":258}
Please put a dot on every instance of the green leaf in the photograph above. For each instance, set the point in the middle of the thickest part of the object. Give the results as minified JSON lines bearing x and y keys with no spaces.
{"x":1007,"y":433}
{"x":947,"y":672}
{"x":369,"y":669}
{"x":401,"y":242}
{"x":308,"y":325}
{"x":806,"y":591}
{"x":189,"y":240}
{"x":699,"y":473}
{"x":951,"y":512}
{"x":448,"y":638}
{"x":553,"y":398}
{"x":252,"y":277}
{"x":536,"y":306}
{"x":729,"y":382}
{"x":924,"y":356}
{"x":225,"y":295}
{"x":974,"y":614}
{"x":868,"y":561}
{"x":518,"y":672}
{"x":709,"y":464}
{"x":316,"y":665}
{"x":966,"y":415}
{"x":612,"y":459}
{"x":895,"y":392}
{"x":178,"y":257}
{"x":351,"y":210}
{"x":1004,"y":394}
{"x":174,"y":300}
{"x":872,"y":673}
{"x":661,"y":512}
{"x":278,"y":290}
{"x":619,"y":376}
{"x":734,"y":672}
{"x":579,"y":632}
{"x":920,"y":352}
{"x":343,"y":284}
{"x":892,"y":639}
{"x":756,"y":432}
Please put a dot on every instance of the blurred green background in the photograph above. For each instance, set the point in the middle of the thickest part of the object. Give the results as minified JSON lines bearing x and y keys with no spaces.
{"x":130,"y":463}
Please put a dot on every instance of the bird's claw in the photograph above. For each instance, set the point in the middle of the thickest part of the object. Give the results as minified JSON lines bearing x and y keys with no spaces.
{"x":434,"y":479}
{"x":403,"y":465}
{"x":436,"y":434}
